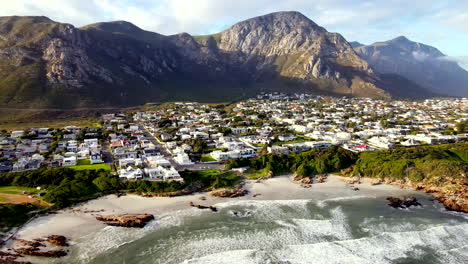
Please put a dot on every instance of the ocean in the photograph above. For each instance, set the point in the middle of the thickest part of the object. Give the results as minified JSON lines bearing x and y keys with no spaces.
{"x":356,"y":229}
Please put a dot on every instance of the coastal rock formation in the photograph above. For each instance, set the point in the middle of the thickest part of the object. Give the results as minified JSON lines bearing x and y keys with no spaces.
{"x":57,"y":240}
{"x":322,"y":178}
{"x":212,"y":208}
{"x":352,"y":180}
{"x":403,"y":203}
{"x":303,"y":179}
{"x":31,"y":251}
{"x":451,"y":192}
{"x":229,"y":193}
{"x":36,"y":247}
{"x":126,"y":220}
{"x":454,"y":204}
{"x":11,"y":258}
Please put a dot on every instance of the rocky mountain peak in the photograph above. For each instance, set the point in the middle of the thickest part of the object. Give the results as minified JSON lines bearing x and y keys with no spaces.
{"x":400,"y":40}
{"x":115,"y":27}
{"x":420,"y":63}
{"x":118,"y":63}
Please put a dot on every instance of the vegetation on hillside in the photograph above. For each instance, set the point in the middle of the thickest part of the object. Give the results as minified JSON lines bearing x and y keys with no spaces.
{"x":307,"y":163}
{"x":15,"y":214}
{"x":416,"y":163}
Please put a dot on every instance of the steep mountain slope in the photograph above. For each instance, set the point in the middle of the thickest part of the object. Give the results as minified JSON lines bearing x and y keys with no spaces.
{"x":286,"y":49}
{"x":48,"y":64}
{"x":417,"y":62}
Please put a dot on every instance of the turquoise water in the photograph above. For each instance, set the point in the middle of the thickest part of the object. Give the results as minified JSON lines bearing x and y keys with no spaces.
{"x":339,"y":230}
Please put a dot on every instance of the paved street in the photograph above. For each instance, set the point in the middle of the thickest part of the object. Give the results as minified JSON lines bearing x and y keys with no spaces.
{"x":168,"y":156}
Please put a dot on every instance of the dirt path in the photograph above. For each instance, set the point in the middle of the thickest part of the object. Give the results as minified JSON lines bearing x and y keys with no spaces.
{"x":20,"y":198}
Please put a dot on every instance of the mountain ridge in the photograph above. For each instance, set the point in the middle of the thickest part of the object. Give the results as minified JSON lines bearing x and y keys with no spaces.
{"x":418,"y":62}
{"x":117,"y":63}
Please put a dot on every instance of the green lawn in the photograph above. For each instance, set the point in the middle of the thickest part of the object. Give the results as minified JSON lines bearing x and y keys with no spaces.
{"x":83,"y":162}
{"x":255,"y":174}
{"x":16,"y":189}
{"x":207,"y":158}
{"x":211,"y":179}
{"x":91,"y":167}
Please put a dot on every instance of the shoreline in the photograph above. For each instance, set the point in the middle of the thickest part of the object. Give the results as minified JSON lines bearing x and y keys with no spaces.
{"x":82,"y":217}
{"x":79,"y":224}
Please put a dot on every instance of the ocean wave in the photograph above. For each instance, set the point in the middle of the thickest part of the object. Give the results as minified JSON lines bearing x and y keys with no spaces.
{"x":323,"y":203}
{"x":381,"y":249}
{"x":111,"y":237}
{"x":269,"y":209}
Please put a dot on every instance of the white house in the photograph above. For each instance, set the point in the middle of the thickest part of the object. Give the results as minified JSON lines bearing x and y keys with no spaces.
{"x":183,"y":159}
{"x":131,"y":173}
{"x":69,"y":161}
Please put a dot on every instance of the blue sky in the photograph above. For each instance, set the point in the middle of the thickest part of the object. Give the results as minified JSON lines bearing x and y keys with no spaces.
{"x":441,"y":23}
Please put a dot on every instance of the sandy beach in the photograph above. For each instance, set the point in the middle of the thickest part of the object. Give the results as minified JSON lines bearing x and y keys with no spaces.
{"x":80,"y":220}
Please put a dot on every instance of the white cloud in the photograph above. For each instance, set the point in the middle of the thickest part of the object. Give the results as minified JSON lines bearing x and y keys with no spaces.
{"x":420,"y":55}
{"x":362,"y":20}
{"x":461,"y":60}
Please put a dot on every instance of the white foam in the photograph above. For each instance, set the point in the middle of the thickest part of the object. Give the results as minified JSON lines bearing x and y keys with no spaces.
{"x":111,"y":237}
{"x":323,"y":203}
{"x":383,"y":248}
{"x":270,"y":209}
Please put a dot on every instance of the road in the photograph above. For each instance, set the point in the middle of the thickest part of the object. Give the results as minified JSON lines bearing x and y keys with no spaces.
{"x":168,"y":156}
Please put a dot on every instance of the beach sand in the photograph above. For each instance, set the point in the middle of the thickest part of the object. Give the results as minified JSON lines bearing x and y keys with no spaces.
{"x":76,"y":223}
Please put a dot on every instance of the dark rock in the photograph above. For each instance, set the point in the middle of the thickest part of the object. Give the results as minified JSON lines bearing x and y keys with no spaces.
{"x":403,"y":203}
{"x":126,"y":220}
{"x":212,"y":208}
{"x":229,"y":193}
{"x":57,"y":240}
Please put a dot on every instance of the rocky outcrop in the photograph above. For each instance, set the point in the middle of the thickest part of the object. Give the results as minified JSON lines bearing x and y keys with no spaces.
{"x":352,"y":180}
{"x":199,"y":206}
{"x":306,"y":180}
{"x":126,"y":220}
{"x":11,"y":258}
{"x":38,"y":247}
{"x":451,"y":192}
{"x":322,"y":178}
{"x":30,"y":251}
{"x":57,"y":240}
{"x":406,"y":202}
{"x":228,"y":193}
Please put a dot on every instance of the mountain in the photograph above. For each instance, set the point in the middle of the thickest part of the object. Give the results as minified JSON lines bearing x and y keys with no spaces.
{"x":44,"y":63}
{"x":356,"y":44}
{"x":417,"y":62}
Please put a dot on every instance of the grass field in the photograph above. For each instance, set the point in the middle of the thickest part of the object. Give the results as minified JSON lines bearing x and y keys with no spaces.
{"x":83,"y":162}
{"x":14,"y":119}
{"x":91,"y":167}
{"x":255,"y":174}
{"x":14,"y":195}
{"x":17,"y":190}
{"x":207,"y":158}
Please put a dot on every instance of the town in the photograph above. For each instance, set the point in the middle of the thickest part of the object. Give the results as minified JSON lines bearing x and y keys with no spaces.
{"x":157,"y":144}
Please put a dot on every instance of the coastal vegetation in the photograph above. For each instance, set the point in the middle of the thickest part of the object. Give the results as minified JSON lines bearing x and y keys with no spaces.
{"x":63,"y":187}
{"x":415,"y":163}
{"x":307,"y":163}
{"x":15,"y":214}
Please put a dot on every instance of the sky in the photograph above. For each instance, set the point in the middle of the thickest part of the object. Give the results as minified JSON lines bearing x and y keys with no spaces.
{"x":439,"y":23}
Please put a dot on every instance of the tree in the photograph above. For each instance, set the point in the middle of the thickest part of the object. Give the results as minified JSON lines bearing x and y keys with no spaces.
{"x":303,"y":170}
{"x":462,"y":127}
